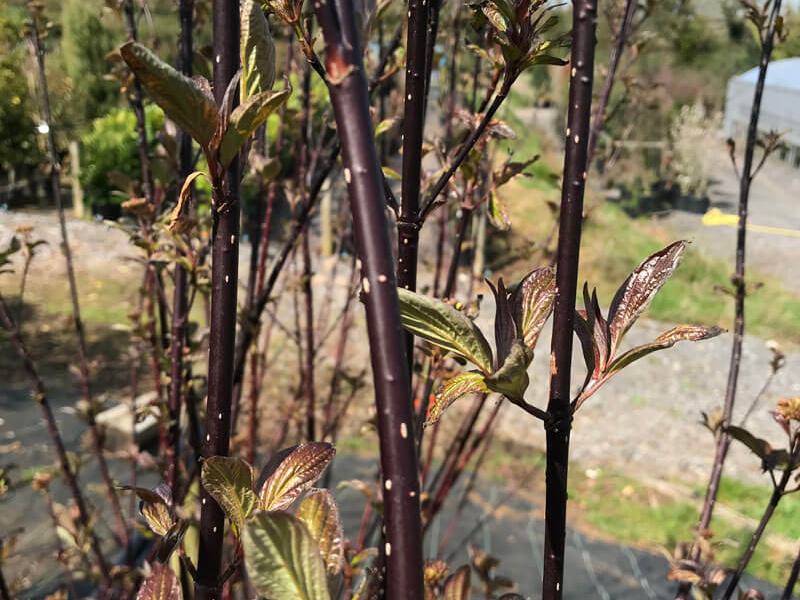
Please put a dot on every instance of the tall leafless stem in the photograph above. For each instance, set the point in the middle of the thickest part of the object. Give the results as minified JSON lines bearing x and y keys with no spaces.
{"x":599,"y":114}
{"x":349,"y":94}
{"x":84,"y":372}
{"x":584,"y":18}
{"x":180,"y":314}
{"x":724,"y":439}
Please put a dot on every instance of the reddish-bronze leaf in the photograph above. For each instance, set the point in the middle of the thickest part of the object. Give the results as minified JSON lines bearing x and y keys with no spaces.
{"x":689,"y":333}
{"x":532,"y":302}
{"x":161,"y":584}
{"x":296,"y":474}
{"x":639,"y":289}
{"x":505,"y":329}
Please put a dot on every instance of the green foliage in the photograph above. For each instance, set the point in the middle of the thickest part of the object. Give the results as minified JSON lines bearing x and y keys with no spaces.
{"x":85,"y":42}
{"x":283,"y":560}
{"x":17,"y":127}
{"x":184,"y":100}
{"x":229,"y":480}
{"x":110,"y":149}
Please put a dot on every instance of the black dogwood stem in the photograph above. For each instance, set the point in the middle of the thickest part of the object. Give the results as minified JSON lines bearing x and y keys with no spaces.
{"x":348,"y":90}
{"x":251,"y":319}
{"x":599,"y":115}
{"x":746,"y":178}
{"x":224,"y":280}
{"x":413,"y":127}
{"x":584,"y":18}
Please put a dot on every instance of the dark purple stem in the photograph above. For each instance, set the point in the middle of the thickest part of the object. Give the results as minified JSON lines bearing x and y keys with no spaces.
{"x":222,"y":336}
{"x":724,"y":440}
{"x":349,"y":94}
{"x":584,"y":19}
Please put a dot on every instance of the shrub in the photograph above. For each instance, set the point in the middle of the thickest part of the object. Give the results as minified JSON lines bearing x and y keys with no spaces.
{"x":110,"y":153}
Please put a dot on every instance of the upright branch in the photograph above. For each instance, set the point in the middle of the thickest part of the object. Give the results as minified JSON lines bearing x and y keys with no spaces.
{"x":180,"y":293}
{"x":349,"y":94}
{"x":746,"y":178}
{"x":84,"y":370}
{"x":137,"y":104}
{"x":70,"y":478}
{"x":224,"y":278}
{"x":413,"y":127}
{"x":584,"y":18}
{"x":599,"y":113}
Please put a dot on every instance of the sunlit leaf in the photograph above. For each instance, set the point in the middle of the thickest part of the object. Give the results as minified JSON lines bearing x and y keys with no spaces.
{"x":691,"y":333}
{"x":229,"y":481}
{"x":176,"y":222}
{"x":257,"y":49}
{"x":282,"y":559}
{"x":444,"y":326}
{"x":469,"y":382}
{"x":457,"y":585}
{"x":495,"y":16}
{"x":161,"y":584}
{"x":390,"y":173}
{"x":319,"y":513}
{"x":246,"y":118}
{"x":639,"y":289}
{"x":533,"y":302}
{"x":385,"y":125}
{"x":180,"y":98}
{"x":498,"y":215}
{"x":295,"y":475}
{"x":155,"y":507}
{"x":511,"y":379}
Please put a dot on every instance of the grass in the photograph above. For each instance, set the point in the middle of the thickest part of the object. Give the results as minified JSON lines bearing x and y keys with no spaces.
{"x":619,"y":508}
{"x":614,"y":243}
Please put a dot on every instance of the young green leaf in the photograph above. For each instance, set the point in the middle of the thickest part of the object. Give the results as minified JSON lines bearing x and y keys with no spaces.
{"x":691,"y":333}
{"x":229,"y":480}
{"x":181,"y":98}
{"x":246,"y":118}
{"x":532,"y":303}
{"x":639,"y":289}
{"x":282,"y":559}
{"x":457,"y":585}
{"x":498,"y":215}
{"x":319,"y":513}
{"x":295,"y":474}
{"x":161,"y":584}
{"x":469,"y":382}
{"x":444,"y":326}
{"x":511,"y":379}
{"x":258,"y":51}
